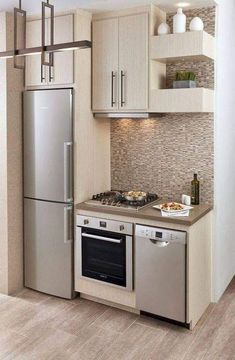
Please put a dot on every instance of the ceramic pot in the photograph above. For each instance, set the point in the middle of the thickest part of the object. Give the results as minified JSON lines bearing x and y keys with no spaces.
{"x":184,"y":84}
{"x":179,"y":22}
{"x":163,"y":29}
{"x":196,"y":24}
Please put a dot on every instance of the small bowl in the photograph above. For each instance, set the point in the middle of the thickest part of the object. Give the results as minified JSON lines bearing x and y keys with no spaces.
{"x":135,"y":198}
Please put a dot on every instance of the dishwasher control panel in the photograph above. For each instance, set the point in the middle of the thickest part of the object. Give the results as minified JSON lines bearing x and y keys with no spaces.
{"x":160,"y":234}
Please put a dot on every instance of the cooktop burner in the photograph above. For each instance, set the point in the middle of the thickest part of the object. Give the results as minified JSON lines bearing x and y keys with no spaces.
{"x":117,"y":200}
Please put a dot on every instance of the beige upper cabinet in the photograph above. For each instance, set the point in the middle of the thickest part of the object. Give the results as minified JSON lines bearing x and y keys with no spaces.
{"x":120,"y":63}
{"x":133,"y":62}
{"x":33,"y":63}
{"x":105,"y":65}
{"x":63,"y":71}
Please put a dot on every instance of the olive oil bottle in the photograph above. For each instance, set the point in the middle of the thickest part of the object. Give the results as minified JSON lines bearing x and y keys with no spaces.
{"x":195,"y":190}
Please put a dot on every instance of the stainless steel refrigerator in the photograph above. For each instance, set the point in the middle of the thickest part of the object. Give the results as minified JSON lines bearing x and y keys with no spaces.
{"x":48,"y":191}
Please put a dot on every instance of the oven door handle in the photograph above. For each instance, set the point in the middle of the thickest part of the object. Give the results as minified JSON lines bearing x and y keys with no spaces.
{"x":90,"y":236}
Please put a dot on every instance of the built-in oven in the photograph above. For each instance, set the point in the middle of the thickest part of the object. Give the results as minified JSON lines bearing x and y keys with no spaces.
{"x":104,"y":251}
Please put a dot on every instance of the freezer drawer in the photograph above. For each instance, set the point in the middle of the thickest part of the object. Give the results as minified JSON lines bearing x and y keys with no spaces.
{"x":161,"y":272}
{"x":48,"y":247}
{"x":48,"y":141}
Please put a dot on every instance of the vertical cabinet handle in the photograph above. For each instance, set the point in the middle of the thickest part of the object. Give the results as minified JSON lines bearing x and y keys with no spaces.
{"x":42,"y":74}
{"x":51,"y":75}
{"x":68,"y":227}
{"x":122,"y":88}
{"x":68,"y":176}
{"x":113,"y":87}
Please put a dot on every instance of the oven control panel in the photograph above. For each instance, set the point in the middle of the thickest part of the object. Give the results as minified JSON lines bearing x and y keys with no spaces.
{"x":105,"y":224}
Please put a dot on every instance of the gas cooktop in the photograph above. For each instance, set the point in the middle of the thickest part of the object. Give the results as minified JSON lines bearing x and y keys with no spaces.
{"x":115,"y":199}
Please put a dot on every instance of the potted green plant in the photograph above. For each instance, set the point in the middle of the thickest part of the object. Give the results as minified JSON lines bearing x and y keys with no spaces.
{"x":184,"y":79}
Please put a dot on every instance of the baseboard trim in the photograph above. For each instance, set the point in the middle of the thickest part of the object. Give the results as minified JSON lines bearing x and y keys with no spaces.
{"x":109,"y":303}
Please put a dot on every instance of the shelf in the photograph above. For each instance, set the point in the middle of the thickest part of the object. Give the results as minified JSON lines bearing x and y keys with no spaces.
{"x":188,"y":46}
{"x":182,"y":100}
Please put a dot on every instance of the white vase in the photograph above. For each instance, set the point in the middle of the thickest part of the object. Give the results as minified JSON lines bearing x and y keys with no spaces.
{"x":179,"y":22}
{"x":196,"y":24}
{"x":163,"y":29}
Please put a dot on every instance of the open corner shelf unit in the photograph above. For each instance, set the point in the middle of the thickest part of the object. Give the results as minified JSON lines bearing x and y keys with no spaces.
{"x":182,"y":100}
{"x":185,"y":47}
{"x":188,"y":46}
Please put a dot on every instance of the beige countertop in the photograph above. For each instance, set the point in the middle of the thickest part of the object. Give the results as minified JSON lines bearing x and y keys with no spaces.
{"x":149,"y":213}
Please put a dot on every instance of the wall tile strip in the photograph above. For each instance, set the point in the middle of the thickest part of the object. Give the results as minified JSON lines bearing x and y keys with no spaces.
{"x":160,"y":155}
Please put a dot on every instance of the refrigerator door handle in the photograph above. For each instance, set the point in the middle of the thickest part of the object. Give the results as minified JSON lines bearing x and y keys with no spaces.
{"x":68,"y":233}
{"x":68,"y":182}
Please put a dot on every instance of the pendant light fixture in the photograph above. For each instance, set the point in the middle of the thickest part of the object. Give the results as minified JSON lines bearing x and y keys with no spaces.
{"x":43,"y":49}
{"x":49,"y":63}
{"x":18,"y":11}
{"x":45,"y":5}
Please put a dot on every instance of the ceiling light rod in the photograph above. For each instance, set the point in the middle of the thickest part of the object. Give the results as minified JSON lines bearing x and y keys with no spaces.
{"x":19,"y":52}
{"x":18,"y":11}
{"x":75,"y":45}
{"x":45,"y":5}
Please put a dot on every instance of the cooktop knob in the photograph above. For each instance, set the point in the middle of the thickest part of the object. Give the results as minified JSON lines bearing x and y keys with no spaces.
{"x":86,"y":222}
{"x":122,"y":227}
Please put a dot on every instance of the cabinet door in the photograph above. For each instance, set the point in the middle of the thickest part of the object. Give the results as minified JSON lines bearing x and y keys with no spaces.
{"x":63,"y":71}
{"x":105,"y":64}
{"x":133,"y":62}
{"x":33,"y":63}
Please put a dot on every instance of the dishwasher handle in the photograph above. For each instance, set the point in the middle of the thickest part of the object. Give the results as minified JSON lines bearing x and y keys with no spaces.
{"x":160,"y":243}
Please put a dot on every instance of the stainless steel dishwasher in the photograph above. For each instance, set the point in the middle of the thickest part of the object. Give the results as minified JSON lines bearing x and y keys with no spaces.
{"x":161,"y":272}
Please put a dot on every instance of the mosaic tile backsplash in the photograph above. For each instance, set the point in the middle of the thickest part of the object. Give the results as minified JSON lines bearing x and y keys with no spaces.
{"x":161,"y":155}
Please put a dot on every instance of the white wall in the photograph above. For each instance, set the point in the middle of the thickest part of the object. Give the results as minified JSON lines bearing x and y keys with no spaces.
{"x":224,"y":229}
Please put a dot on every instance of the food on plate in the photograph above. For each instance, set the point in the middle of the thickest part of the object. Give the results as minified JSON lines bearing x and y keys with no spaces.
{"x":172,"y":207}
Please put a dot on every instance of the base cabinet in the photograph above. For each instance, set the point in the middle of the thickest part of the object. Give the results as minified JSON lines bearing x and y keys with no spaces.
{"x":171,"y":282}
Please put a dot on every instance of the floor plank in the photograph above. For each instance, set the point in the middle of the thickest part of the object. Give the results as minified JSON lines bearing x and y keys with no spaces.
{"x":137,"y":342}
{"x":116,"y":320}
{"x":36,"y":326}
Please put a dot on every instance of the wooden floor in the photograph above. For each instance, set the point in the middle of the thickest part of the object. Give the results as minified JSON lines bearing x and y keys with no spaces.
{"x":37,"y":326}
